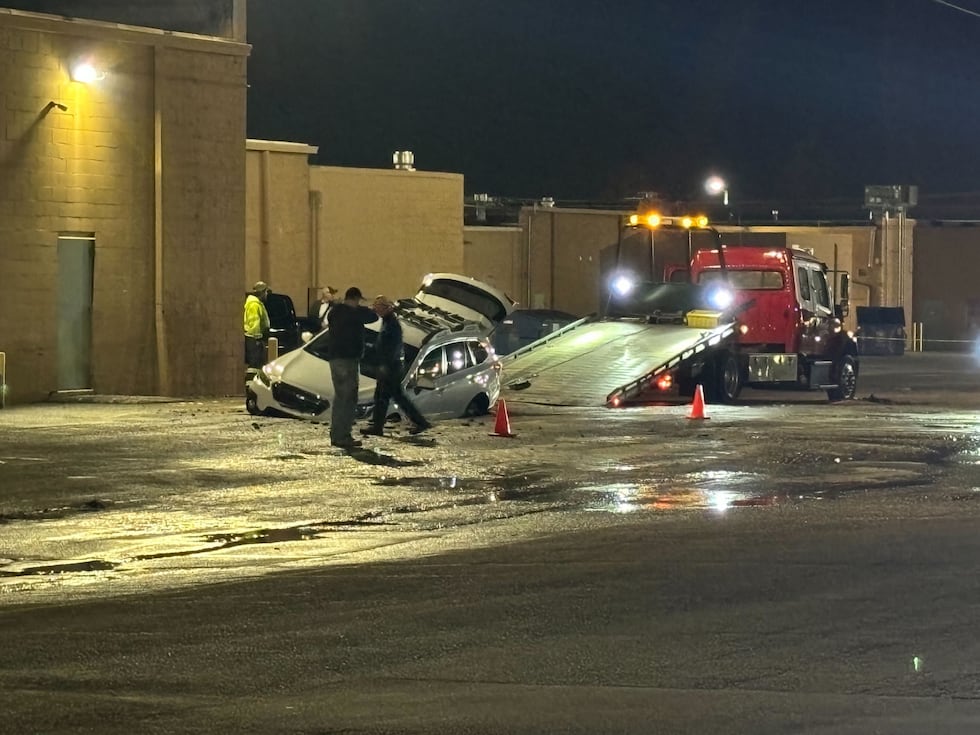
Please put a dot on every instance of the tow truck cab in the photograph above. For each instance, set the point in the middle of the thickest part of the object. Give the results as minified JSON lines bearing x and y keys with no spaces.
{"x":789,"y":329}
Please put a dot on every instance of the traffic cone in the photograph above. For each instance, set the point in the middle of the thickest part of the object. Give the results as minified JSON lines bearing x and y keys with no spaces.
{"x":697,"y":407}
{"x":502,"y":425}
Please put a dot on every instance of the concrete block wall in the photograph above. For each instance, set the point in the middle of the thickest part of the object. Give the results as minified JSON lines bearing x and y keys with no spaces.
{"x":494,"y":255}
{"x":202,"y":103}
{"x":89,"y":169}
{"x":562,"y":270}
{"x":384,"y":230}
{"x":947,"y":291}
{"x":278,"y":231}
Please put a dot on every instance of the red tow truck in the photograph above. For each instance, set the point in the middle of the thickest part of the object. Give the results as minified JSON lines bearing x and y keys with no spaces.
{"x":789,"y":330}
{"x":733,"y":316}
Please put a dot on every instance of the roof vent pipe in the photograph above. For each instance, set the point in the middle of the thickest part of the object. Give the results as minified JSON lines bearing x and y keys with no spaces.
{"x":403,"y":160}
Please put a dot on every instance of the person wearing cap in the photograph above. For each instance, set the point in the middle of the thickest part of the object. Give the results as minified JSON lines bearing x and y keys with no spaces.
{"x":345,"y":346}
{"x":256,"y":326}
{"x":388,"y":386}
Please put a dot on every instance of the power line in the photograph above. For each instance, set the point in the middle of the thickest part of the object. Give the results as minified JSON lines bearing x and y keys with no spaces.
{"x":957,"y":7}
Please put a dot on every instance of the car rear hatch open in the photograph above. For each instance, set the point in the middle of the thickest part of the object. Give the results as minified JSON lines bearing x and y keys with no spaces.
{"x":471,"y":299}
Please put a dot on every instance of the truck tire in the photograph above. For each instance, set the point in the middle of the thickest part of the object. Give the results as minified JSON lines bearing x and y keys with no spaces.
{"x":728,"y":379}
{"x":846,"y":380}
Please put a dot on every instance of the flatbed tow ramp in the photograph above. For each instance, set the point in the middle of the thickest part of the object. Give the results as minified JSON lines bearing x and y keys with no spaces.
{"x":599,"y":362}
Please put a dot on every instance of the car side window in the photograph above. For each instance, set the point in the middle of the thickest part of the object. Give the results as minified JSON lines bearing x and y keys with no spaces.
{"x":457,"y":357}
{"x":480,"y":353}
{"x":431,"y":365}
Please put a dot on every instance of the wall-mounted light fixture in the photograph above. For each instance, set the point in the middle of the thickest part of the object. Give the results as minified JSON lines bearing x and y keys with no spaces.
{"x":85,"y":73}
{"x":52,"y":104}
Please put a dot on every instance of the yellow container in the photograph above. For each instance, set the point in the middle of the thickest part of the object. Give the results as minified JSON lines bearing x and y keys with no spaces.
{"x":702,"y":319}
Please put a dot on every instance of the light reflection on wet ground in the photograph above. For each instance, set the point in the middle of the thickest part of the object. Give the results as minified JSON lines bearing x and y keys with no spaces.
{"x":644,"y":463}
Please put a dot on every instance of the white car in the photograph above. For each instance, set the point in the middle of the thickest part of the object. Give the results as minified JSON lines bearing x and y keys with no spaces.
{"x":451,"y":369}
{"x":465,"y":297}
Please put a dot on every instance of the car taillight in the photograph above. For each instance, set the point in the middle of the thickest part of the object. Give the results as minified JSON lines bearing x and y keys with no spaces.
{"x":665,"y":381}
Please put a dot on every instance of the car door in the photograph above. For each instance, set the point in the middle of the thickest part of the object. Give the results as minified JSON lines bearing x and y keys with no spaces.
{"x":282,"y":321}
{"x":450,"y":370}
{"x":458,"y":387}
{"x":430,"y":367}
{"x":814,"y":298}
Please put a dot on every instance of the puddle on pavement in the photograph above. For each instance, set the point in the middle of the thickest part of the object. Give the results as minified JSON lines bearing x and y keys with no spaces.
{"x":63,"y":511}
{"x":717,"y":489}
{"x":92,"y":565}
{"x":220,"y":541}
{"x":538,"y":487}
{"x":283,"y":535}
{"x":711,"y":489}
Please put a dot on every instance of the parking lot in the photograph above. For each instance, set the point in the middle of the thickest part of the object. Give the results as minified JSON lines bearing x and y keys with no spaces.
{"x":784,"y":565}
{"x":187,"y":492}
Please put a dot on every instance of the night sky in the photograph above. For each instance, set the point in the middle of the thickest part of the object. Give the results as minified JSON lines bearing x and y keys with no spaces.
{"x":587,"y":100}
{"x":596,"y":100}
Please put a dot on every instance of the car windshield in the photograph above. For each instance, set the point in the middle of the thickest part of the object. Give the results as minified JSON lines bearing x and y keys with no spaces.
{"x":369,"y":362}
{"x":318,"y":346}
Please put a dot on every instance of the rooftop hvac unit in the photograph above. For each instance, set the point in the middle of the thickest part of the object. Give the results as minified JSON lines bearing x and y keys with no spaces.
{"x":404,"y":160}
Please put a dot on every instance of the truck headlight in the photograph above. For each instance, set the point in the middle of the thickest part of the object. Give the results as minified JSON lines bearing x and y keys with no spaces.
{"x":721,"y":298}
{"x":622,"y":285}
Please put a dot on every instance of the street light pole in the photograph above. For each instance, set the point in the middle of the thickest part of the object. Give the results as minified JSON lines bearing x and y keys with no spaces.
{"x":716,"y":185}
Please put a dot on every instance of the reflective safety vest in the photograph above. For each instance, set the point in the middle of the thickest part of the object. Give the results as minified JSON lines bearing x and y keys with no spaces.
{"x":256,"y":318}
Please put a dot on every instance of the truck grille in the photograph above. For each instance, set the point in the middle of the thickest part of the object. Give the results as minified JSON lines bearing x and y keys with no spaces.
{"x":298,"y":399}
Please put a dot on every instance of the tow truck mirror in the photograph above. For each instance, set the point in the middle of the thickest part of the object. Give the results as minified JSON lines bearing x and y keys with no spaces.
{"x":843,"y":306}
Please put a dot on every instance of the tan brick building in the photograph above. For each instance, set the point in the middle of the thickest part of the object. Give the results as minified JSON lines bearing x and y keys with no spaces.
{"x":379,"y":229}
{"x":122,"y":209}
{"x":557,"y":257}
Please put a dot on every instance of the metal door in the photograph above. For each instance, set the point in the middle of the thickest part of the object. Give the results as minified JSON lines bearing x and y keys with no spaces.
{"x":76,"y":254}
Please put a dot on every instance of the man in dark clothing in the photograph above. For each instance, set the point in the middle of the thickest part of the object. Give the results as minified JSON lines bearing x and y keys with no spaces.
{"x":345,"y":346}
{"x":388,"y":387}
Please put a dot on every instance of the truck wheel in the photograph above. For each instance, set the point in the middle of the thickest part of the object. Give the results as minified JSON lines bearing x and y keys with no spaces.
{"x":728,"y":379}
{"x":847,"y":379}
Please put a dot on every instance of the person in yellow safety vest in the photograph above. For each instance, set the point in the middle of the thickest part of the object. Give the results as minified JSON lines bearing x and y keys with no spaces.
{"x":256,"y":326}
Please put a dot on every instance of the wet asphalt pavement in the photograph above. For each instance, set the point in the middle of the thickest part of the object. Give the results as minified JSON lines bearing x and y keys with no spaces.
{"x":783,"y":566}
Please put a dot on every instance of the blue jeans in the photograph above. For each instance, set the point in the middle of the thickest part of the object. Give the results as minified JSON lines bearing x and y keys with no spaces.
{"x":346,"y":379}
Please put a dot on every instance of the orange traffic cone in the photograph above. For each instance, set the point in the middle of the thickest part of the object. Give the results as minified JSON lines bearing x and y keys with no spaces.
{"x":697,"y":407}
{"x":502,"y":425}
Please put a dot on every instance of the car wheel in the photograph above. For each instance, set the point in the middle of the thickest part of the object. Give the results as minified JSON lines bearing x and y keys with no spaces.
{"x":846,"y":380}
{"x":252,"y":404}
{"x":479,"y":406}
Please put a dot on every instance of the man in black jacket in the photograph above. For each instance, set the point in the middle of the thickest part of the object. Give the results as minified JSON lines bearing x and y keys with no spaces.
{"x":345,"y":346}
{"x":388,"y":387}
